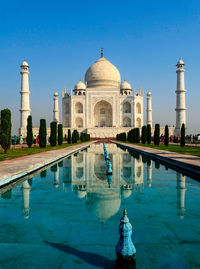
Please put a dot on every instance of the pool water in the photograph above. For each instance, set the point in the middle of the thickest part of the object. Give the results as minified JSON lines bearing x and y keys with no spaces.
{"x":67,"y":216}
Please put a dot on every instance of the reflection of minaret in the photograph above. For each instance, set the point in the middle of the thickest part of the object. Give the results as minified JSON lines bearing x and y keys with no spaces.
{"x":180,"y":195}
{"x":25,"y":205}
{"x":149,"y":173}
{"x":56,"y":179}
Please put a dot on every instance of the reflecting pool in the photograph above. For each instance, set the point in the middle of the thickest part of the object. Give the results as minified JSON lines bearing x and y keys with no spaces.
{"x":67,"y":216}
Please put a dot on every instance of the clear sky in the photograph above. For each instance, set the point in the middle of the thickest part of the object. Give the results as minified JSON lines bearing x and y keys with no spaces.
{"x":61,"y":39}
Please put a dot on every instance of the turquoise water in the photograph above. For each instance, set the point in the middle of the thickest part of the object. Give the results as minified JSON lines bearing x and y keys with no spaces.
{"x":68,"y":215}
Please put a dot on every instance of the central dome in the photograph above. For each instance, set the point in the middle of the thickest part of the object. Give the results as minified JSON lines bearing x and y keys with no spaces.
{"x":102,"y":74}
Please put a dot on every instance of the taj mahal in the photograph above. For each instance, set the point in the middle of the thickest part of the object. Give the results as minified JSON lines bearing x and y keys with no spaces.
{"x":103,"y":106}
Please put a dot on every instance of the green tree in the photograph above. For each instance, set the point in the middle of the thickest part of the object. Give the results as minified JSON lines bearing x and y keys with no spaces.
{"x":60,"y":134}
{"x":148,"y":133}
{"x":42,"y":134}
{"x":53,"y":137}
{"x":144,"y":135}
{"x":74,"y":137}
{"x":29,"y":138}
{"x":182,"y":142}
{"x":69,"y":137}
{"x":137,"y":135}
{"x":157,"y":135}
{"x":5,"y":129}
{"x":166,"y":135}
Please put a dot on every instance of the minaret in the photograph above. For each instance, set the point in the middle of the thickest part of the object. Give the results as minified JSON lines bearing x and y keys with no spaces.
{"x":149,"y":108}
{"x":180,"y":97}
{"x":55,"y":108}
{"x":180,"y":195}
{"x":25,"y":100}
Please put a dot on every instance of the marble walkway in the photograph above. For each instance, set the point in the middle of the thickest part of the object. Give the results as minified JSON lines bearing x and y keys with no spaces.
{"x":11,"y":170}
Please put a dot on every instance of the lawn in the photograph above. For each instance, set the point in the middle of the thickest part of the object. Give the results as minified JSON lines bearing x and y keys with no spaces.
{"x":20,"y":152}
{"x":174,"y":148}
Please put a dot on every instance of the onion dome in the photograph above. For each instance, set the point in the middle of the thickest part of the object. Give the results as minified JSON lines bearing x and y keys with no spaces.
{"x":24,"y":64}
{"x":149,"y":94}
{"x":180,"y":63}
{"x":55,"y":94}
{"x":125,"y":86}
{"x":102,"y":74}
{"x":80,"y":86}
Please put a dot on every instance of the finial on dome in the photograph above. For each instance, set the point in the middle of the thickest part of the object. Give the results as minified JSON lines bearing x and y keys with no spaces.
{"x":101,"y":52}
{"x":125,"y":212}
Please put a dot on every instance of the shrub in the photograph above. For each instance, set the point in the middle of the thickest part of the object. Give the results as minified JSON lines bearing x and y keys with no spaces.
{"x":5,"y":129}
{"x":42,"y":134}
{"x":29,"y":138}
{"x":182,"y":142}
{"x":60,"y":134}
{"x":166,"y":135}
{"x":53,"y":137}
{"x":148,"y":133}
{"x":144,"y":135}
{"x":157,"y":135}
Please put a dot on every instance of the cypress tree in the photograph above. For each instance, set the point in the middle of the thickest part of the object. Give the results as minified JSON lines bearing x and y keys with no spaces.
{"x":53,"y":137}
{"x":157,"y":135}
{"x":137,"y":135}
{"x":42,"y":134}
{"x":148,"y":133}
{"x":144,"y":135}
{"x":60,"y":134}
{"x":74,"y":137}
{"x":166,"y":135}
{"x":5,"y":129}
{"x":69,"y":137}
{"x":182,"y":135}
{"x":29,"y":138}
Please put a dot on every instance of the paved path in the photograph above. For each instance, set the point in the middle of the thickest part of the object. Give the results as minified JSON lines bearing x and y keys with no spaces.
{"x":187,"y":163}
{"x":11,"y":170}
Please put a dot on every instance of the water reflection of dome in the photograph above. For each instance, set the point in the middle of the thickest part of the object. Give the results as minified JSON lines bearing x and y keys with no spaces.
{"x":126,"y":193}
{"x":103,"y":204}
{"x":81,"y":194}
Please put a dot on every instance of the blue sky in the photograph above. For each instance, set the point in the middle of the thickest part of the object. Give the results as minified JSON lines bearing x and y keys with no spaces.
{"x":61,"y":39}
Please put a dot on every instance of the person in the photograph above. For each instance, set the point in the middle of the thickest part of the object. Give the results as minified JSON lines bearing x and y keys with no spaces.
{"x":191,"y":139}
{"x":14,"y":140}
{"x":47,"y":139}
{"x":21,"y":139}
{"x":37,"y":139}
{"x":34,"y":139}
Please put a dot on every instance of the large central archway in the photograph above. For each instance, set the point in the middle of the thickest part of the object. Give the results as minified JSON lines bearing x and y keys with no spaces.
{"x":102,"y":114}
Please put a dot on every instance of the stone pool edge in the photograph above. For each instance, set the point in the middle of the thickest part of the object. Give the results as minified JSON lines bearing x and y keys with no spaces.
{"x":5,"y":180}
{"x":188,"y":168}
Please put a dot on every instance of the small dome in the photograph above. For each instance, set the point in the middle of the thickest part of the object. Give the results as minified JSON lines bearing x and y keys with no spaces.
{"x":102,"y":74}
{"x":125,"y":86}
{"x":24,"y":64}
{"x":149,"y":94}
{"x":55,"y":94}
{"x":80,"y":86}
{"x":180,"y":63}
{"x":127,"y":193}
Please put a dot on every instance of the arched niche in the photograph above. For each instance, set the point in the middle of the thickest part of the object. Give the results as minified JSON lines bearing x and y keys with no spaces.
{"x":102,"y":114}
{"x":126,"y":122}
{"x":126,"y":107}
{"x":138,"y":108}
{"x":79,"y":122}
{"x":79,"y":107}
{"x":79,"y":172}
{"x":138,"y":122}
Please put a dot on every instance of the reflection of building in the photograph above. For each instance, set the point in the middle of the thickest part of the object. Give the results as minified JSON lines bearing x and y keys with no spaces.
{"x":25,"y":202}
{"x":86,"y":171}
{"x":180,"y":195}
